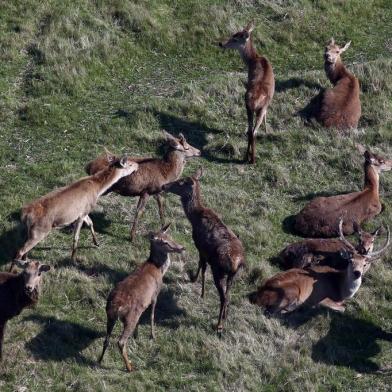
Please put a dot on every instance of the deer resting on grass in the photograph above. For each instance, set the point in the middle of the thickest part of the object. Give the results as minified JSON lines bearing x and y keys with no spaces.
{"x":259,"y":88}
{"x":218,"y":246}
{"x":132,"y":296}
{"x":153,"y":173}
{"x":320,"y":217}
{"x":70,"y":204}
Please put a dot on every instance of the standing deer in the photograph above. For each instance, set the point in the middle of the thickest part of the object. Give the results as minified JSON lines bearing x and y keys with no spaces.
{"x":340,"y":106}
{"x":18,"y":291}
{"x":259,"y":88}
{"x":132,"y":296}
{"x":69,"y":204}
{"x":153,"y":173}
{"x":320,"y":217}
{"x":217,"y":244}
{"x":316,"y":285}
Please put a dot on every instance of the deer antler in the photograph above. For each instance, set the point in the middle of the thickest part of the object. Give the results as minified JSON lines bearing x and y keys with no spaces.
{"x":374,"y":255}
{"x":343,"y":238}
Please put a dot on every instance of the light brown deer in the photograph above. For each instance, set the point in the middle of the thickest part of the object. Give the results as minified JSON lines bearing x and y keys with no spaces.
{"x":218,"y":246}
{"x":320,"y":217}
{"x":316,"y":285}
{"x":260,"y":87}
{"x":340,"y":106}
{"x":325,"y":251}
{"x":70,"y":204}
{"x":18,"y":291}
{"x":132,"y":296}
{"x":153,"y":173}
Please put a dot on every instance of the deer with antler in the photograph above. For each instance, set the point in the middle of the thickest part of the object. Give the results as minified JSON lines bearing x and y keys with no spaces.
{"x":259,"y":88}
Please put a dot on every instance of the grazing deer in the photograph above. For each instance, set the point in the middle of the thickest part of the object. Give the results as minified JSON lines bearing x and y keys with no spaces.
{"x":217,"y":244}
{"x":320,"y":217}
{"x":69,"y":204}
{"x":259,"y":88}
{"x":132,"y":296}
{"x":153,"y":173}
{"x":17,"y":291}
{"x":316,"y":285}
{"x":325,"y":251}
{"x":340,"y":106}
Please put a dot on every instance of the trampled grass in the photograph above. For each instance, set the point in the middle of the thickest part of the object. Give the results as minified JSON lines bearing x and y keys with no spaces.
{"x":77,"y":76}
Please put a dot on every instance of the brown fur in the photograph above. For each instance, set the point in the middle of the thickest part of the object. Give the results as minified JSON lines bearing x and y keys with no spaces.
{"x":260,"y":86}
{"x":132,"y":296}
{"x":152,"y":174}
{"x":218,"y":246}
{"x":341,"y":105}
{"x":320,"y":217}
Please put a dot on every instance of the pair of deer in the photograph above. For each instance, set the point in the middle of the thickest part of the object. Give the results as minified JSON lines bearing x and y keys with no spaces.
{"x":340,"y":106}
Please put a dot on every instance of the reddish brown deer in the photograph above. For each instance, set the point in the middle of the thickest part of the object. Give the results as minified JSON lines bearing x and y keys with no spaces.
{"x":18,"y":291}
{"x":340,"y":106}
{"x":153,"y":173}
{"x":260,"y":86}
{"x":325,"y":251}
{"x":316,"y":285}
{"x":217,"y":244}
{"x":320,"y":217}
{"x":132,"y":296}
{"x":69,"y":204}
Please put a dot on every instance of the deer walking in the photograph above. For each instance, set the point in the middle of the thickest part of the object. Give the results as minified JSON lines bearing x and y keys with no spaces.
{"x":340,"y":105}
{"x":320,"y":217}
{"x":69,"y":204}
{"x":132,"y":296}
{"x":259,"y":88}
{"x":218,"y":246}
{"x":152,"y":174}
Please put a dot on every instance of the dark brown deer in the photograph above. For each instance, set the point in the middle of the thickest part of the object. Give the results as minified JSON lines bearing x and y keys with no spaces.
{"x":325,"y":251}
{"x":153,"y":173}
{"x":340,"y":106}
{"x":218,"y":246}
{"x":320,"y":217}
{"x":69,"y":204}
{"x":316,"y":285}
{"x":18,"y":291}
{"x":132,"y":296}
{"x":260,"y":86}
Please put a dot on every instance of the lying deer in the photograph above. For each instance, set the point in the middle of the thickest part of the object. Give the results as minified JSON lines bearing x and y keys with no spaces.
{"x":259,"y":88}
{"x":18,"y":291}
{"x":340,"y":105}
{"x":217,"y":244}
{"x":153,"y":173}
{"x":69,"y":204}
{"x":320,"y":217}
{"x":316,"y":285}
{"x":325,"y":251}
{"x":132,"y":296}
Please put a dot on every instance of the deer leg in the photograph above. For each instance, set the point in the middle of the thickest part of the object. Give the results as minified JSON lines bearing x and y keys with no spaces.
{"x":161,"y":207}
{"x":2,"y":329}
{"x":129,"y":327}
{"x":229,"y":282}
{"x":219,"y":283}
{"x":154,"y":302}
{"x":249,"y":113}
{"x":329,"y":303}
{"x":109,"y":328}
{"x":78,"y":226}
{"x":139,"y":211}
{"x":89,"y":223}
{"x":203,"y":277}
{"x":259,"y":119}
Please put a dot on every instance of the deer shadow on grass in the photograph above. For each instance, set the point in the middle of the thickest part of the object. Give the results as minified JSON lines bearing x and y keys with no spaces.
{"x":310,"y":113}
{"x":60,"y":340}
{"x":283,"y":85}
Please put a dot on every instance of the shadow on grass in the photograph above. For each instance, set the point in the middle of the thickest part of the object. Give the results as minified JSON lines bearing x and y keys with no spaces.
{"x":310,"y":112}
{"x":288,"y":225}
{"x":60,"y":340}
{"x":283,"y":85}
{"x":313,"y":195}
{"x":101,"y":223}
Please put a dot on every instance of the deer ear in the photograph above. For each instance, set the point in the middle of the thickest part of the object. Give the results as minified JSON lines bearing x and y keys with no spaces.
{"x":181,"y":137}
{"x":109,"y":156}
{"x":123,"y":161}
{"x":345,"y":47}
{"x":331,"y":41}
{"x":44,"y":268}
{"x":21,"y":263}
{"x":250,"y":26}
{"x":167,"y":135}
{"x":199,"y":173}
{"x":165,"y":228}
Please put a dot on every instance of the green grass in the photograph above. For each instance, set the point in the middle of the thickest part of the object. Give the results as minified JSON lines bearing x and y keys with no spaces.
{"x":77,"y":76}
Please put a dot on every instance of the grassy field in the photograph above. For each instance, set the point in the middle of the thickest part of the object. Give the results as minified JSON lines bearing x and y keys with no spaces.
{"x":77,"y":76}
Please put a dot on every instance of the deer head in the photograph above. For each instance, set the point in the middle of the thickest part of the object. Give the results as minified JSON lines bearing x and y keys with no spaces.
{"x":180,"y":144}
{"x":332,"y":51}
{"x":162,"y":241}
{"x":32,"y":271}
{"x":239,"y":39}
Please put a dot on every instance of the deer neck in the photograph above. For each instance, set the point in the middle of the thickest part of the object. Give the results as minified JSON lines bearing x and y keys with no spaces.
{"x":159,"y":258}
{"x":335,"y":71}
{"x":349,"y":285}
{"x":248,"y":52}
{"x":372,"y":179}
{"x":106,"y":178}
{"x":192,"y":203}
{"x":175,"y":162}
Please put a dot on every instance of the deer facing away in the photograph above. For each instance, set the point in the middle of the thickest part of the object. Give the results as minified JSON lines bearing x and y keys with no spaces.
{"x":320,"y":217}
{"x":152,"y":174}
{"x":260,"y":86}
{"x":18,"y":291}
{"x":132,"y":296}
{"x":69,"y":204}
{"x":316,"y":285}
{"x":218,"y":246}
{"x":340,"y":106}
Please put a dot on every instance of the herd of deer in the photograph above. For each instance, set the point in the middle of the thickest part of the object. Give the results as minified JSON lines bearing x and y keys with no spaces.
{"x":321,"y":270}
